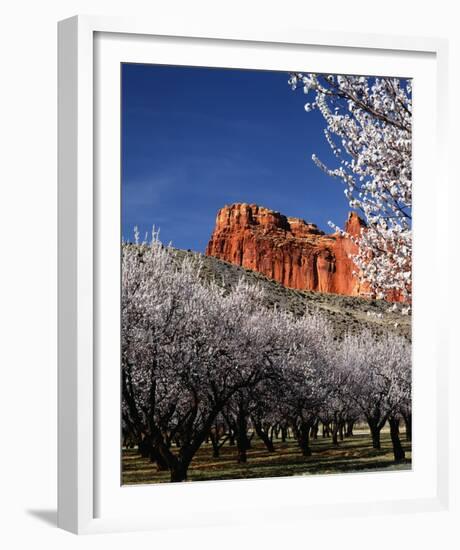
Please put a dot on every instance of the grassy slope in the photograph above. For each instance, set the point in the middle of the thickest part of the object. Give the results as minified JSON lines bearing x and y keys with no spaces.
{"x":346,"y":312}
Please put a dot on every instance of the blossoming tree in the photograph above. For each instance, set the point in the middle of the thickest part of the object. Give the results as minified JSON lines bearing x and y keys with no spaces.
{"x":200,"y":362}
{"x":368,"y":126}
{"x":187,"y":349}
{"x":376,"y":379}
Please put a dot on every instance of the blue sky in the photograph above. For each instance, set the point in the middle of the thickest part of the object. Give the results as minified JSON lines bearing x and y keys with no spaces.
{"x":195,"y":139}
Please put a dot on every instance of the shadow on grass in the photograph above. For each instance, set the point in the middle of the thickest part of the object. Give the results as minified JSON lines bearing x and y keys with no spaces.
{"x":354,"y":454}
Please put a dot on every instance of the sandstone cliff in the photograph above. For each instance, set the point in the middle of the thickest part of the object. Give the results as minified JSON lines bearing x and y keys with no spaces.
{"x":288,"y":250}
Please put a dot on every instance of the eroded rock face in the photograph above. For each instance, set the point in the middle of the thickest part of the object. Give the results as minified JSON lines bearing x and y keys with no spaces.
{"x":288,"y":250}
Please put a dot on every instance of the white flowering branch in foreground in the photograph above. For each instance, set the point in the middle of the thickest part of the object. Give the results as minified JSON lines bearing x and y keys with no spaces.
{"x":368,"y":126}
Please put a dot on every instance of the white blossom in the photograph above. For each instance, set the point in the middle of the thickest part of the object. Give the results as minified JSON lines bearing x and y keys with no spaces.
{"x":371,"y":118}
{"x":195,"y":355}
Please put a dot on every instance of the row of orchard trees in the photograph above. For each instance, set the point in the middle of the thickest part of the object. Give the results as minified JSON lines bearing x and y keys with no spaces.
{"x":201,"y":363}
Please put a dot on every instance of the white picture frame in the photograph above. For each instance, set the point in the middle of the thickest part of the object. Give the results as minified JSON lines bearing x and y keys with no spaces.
{"x":86,"y":64}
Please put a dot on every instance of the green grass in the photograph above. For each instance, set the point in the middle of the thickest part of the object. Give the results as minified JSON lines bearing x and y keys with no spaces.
{"x":353,"y":454}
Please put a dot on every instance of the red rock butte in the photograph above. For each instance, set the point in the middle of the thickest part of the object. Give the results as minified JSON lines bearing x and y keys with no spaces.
{"x":289,"y":250}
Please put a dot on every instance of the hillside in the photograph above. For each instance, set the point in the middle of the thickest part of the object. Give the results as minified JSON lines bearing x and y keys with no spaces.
{"x":347,"y":313}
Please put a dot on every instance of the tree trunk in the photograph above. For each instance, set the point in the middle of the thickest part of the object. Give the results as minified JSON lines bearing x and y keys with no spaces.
{"x":144,"y":447}
{"x":243,"y":442}
{"x":398,"y":451}
{"x":214,"y":437}
{"x":147,"y":450}
{"x":268,"y":442}
{"x":335,"y":431}
{"x":349,"y":430}
{"x":303,"y":439}
{"x":178,"y":472}
{"x":375,"y":433}
{"x":305,"y":446}
{"x":314,"y":430}
{"x":408,"y":423}
{"x":242,"y":455}
{"x":335,"y":440}
{"x":161,"y":463}
{"x":284,"y":434}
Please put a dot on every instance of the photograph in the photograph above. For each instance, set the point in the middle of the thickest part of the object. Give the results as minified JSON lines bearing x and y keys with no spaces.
{"x":266,"y":273}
